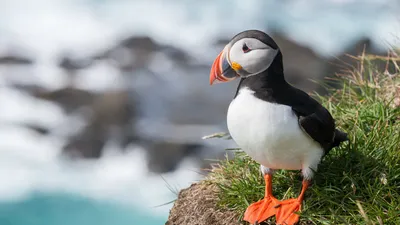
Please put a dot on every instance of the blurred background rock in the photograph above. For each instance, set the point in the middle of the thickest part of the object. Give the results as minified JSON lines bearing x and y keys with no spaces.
{"x":108,"y":100}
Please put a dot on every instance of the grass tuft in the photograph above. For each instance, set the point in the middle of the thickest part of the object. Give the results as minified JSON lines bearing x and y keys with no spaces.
{"x":358,"y":182}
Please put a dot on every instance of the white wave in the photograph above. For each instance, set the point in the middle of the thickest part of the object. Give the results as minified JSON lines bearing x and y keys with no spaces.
{"x":99,"y":78}
{"x":34,"y":165}
{"x":22,"y":108}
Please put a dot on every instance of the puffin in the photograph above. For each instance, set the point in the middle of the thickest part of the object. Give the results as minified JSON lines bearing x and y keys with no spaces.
{"x":278,"y":125}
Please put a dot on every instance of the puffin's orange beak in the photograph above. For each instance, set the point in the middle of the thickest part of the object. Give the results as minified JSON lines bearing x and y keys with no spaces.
{"x":221,"y":70}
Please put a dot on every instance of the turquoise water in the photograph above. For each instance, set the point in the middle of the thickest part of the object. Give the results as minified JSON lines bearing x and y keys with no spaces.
{"x":61,"y":209}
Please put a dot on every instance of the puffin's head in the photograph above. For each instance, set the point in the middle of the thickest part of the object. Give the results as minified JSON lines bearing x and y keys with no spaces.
{"x":248,"y":53}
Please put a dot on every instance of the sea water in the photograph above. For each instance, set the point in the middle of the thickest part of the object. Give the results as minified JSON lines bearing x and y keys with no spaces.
{"x":64,"y":209}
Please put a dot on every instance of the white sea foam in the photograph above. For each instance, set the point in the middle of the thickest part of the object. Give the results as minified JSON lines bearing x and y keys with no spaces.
{"x":17,"y":107}
{"x":29,"y":163}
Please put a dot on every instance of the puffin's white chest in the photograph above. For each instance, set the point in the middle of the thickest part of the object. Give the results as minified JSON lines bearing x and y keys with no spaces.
{"x":270,"y":133}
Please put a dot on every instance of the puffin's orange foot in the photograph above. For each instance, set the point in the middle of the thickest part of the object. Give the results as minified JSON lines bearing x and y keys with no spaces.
{"x":287,"y":213}
{"x":261,"y":210}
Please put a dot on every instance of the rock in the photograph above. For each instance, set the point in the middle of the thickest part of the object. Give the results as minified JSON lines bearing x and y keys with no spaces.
{"x":146,"y":45}
{"x":197,"y":205}
{"x":70,"y":63}
{"x":131,"y":53}
{"x":86,"y":144}
{"x":68,"y":98}
{"x":164,"y":156}
{"x":37,"y":128}
{"x":15,"y":60}
{"x":137,"y":52}
{"x":31,"y":89}
{"x":113,"y":108}
{"x":111,"y":118}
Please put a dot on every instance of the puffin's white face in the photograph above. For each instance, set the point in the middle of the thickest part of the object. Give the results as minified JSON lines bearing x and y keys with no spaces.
{"x":242,"y":58}
{"x":249,"y":56}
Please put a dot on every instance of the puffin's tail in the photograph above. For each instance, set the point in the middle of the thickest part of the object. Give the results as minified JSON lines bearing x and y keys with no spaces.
{"x":340,"y":136}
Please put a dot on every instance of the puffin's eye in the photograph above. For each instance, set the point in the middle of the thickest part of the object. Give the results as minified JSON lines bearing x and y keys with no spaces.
{"x":245,"y":48}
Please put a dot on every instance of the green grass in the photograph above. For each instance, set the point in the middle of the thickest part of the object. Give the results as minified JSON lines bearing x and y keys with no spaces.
{"x":358,"y":182}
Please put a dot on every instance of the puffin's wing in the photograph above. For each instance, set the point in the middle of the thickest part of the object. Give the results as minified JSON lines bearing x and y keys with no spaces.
{"x":314,"y":119}
{"x":319,"y":125}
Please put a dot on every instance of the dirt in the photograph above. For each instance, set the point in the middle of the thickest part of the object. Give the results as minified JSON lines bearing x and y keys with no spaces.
{"x":197,"y":205}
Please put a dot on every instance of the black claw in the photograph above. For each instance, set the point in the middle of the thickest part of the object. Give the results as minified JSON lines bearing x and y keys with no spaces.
{"x":255,"y":223}
{"x":277,"y":206}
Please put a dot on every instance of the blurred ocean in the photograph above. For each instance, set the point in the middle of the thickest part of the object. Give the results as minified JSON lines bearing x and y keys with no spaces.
{"x":40,"y":188}
{"x":41,"y":209}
